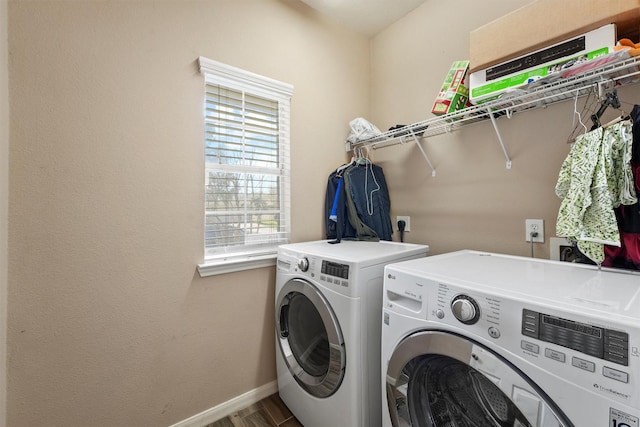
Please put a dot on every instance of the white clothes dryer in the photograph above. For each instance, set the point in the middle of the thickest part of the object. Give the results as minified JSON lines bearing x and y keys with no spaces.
{"x":328,"y":303}
{"x":479,"y":339}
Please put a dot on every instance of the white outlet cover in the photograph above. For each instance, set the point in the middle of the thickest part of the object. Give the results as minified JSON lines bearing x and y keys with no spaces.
{"x":534,"y":225}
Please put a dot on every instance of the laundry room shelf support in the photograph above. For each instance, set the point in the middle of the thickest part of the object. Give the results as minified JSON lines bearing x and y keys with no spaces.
{"x":424,"y":153}
{"x":495,"y":127}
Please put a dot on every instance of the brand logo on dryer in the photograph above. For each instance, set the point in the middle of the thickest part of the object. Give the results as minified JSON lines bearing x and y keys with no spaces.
{"x":391,"y":276}
{"x":611,"y":391}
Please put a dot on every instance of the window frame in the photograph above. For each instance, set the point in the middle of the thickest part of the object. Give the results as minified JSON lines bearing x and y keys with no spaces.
{"x":224,"y":75}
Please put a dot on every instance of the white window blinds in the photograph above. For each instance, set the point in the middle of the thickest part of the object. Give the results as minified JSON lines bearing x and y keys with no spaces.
{"x":247,"y":168}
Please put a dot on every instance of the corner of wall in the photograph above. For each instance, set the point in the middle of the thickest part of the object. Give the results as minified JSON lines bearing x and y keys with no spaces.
{"x":4,"y":202}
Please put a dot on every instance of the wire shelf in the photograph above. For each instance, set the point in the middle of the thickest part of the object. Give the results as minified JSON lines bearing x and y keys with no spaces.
{"x":540,"y":94}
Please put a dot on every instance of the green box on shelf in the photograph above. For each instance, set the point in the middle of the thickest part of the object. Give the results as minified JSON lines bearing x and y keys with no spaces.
{"x":454,"y":94}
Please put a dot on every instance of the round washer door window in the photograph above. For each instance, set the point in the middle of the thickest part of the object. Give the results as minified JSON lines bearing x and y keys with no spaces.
{"x":432,"y":381}
{"x":309,"y":338}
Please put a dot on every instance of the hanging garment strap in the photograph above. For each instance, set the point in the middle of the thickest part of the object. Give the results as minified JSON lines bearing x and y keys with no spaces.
{"x":363,"y":231}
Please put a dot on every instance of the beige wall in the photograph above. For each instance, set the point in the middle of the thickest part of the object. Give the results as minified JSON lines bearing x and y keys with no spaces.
{"x":4,"y":200}
{"x":109,"y":323}
{"x":473,"y":201}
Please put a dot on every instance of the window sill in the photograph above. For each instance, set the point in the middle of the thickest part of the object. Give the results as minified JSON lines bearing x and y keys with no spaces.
{"x":231,"y":265}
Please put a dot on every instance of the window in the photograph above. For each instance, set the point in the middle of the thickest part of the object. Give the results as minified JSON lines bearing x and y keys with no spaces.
{"x":247,"y":173}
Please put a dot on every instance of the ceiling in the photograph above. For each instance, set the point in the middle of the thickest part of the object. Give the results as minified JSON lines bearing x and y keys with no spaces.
{"x":368,"y":17}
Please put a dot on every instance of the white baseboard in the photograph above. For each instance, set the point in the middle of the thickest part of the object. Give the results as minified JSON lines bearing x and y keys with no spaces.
{"x":230,"y":406}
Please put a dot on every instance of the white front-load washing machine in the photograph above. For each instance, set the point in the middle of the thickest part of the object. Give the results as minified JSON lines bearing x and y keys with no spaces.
{"x":479,"y":339}
{"x":328,"y":304}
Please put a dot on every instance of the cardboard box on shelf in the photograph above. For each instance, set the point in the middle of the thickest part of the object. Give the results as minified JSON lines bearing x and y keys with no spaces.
{"x":489,"y":83}
{"x":454,"y":94}
{"x":545,"y":22}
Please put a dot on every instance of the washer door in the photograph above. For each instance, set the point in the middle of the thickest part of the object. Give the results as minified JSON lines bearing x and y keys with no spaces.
{"x":438,"y":379}
{"x":310,"y":338}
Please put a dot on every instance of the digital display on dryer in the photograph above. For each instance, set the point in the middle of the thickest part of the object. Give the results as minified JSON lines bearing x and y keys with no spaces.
{"x":595,"y":341}
{"x":335,"y":269}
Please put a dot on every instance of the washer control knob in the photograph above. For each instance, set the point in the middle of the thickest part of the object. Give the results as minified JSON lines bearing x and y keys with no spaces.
{"x":303,"y":264}
{"x":465,"y":309}
{"x":494,"y":332}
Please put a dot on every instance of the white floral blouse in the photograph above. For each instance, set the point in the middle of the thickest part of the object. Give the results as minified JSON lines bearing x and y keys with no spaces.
{"x":595,"y":178}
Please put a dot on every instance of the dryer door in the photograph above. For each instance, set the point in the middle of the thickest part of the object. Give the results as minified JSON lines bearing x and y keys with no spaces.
{"x":437,"y":379}
{"x":309,"y":338}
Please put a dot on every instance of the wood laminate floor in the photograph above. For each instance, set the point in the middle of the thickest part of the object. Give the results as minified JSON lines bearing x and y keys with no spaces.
{"x":269,"y":412}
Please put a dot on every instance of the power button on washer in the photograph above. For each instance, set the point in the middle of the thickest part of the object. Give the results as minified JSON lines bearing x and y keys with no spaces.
{"x":494,"y":332}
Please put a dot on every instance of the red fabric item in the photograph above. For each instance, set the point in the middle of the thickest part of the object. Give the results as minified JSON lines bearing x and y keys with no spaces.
{"x":626,"y":256}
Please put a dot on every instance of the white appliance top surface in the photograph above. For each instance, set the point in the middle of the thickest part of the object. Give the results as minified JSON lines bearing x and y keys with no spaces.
{"x":360,"y":252}
{"x":579,"y":286}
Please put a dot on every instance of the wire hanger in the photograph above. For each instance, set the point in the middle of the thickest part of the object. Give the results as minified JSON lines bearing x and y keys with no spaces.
{"x":369,"y":193}
{"x":356,"y":158}
{"x":358,"y":152}
{"x":361,"y":158}
{"x":342,"y":168}
{"x":576,"y":114}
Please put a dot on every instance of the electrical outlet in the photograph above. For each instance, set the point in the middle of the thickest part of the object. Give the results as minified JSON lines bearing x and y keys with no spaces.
{"x":407,"y":222}
{"x":534,"y":226}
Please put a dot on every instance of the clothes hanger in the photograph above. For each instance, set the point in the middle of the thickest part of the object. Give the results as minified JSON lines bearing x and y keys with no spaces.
{"x":622,"y":117}
{"x":618,"y":119}
{"x":587,"y":106}
{"x":355,"y":159}
{"x":342,"y":168}
{"x":361,"y":159}
{"x":610,"y":100}
{"x":369,"y":193}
